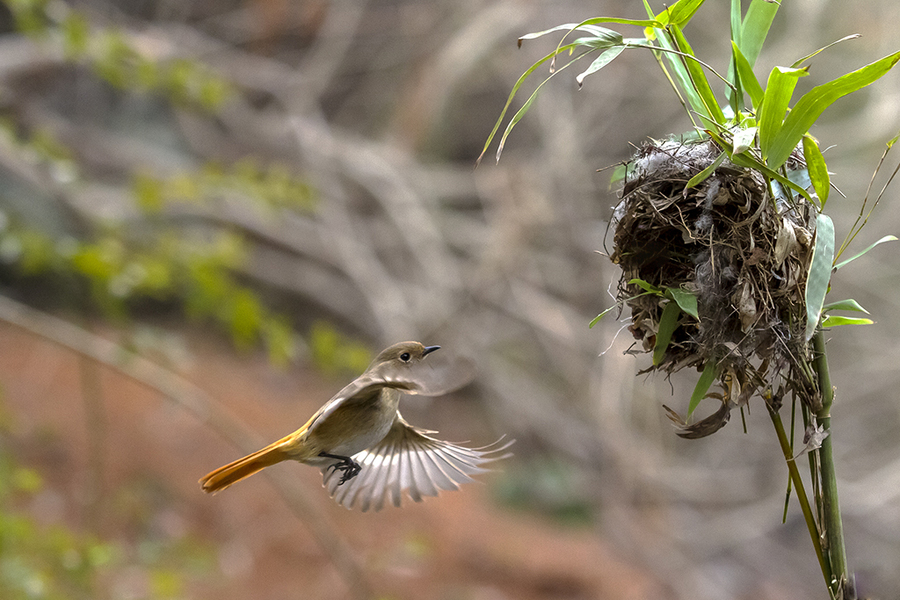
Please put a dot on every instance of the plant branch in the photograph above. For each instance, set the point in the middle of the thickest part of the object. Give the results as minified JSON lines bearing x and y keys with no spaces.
{"x":808,"y":515}
{"x":684,"y":55}
{"x":831,"y":512}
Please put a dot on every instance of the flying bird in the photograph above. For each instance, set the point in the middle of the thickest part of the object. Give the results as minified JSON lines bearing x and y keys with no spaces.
{"x":367,"y":452}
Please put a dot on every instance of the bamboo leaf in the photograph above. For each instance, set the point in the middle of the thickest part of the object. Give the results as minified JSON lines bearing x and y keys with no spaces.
{"x":819,"y":272}
{"x":699,"y":82}
{"x":811,"y":105}
{"x":645,"y":286}
{"x":743,"y":139}
{"x":596,"y":319}
{"x":706,"y":380}
{"x":668,"y":323}
{"x":601,"y":61}
{"x":809,"y":56}
{"x":678,"y":14}
{"x":747,"y":160}
{"x":849,"y":304}
{"x":749,"y":82}
{"x":887,"y":238}
{"x":779,"y":89}
{"x":680,"y":74}
{"x":757,"y":22}
{"x":512,"y":95}
{"x":687,"y":301}
{"x":682,"y":11}
{"x":836,"y":321}
{"x":587,"y":25}
{"x":736,"y":22}
{"x":818,"y":170}
{"x":705,"y":173}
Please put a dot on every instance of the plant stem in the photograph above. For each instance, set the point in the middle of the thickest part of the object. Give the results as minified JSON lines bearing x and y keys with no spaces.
{"x":801,"y":493}
{"x":831,"y":512}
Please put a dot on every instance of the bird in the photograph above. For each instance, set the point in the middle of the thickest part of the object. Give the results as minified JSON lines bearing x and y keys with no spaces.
{"x":367,"y":452}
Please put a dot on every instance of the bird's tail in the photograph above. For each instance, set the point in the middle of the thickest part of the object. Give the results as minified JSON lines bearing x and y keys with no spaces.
{"x":242,"y":468}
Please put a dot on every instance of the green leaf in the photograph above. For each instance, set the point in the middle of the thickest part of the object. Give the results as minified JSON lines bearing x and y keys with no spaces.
{"x":736,"y":22}
{"x":699,"y":82}
{"x":601,"y":61}
{"x":747,"y":160}
{"x":887,"y":238}
{"x":818,"y":170}
{"x":645,"y":286}
{"x":811,"y":105}
{"x":776,"y":98}
{"x":679,"y":13}
{"x":586,"y":26}
{"x":705,"y":173}
{"x":710,"y":371}
{"x":836,"y":321}
{"x":743,"y":139}
{"x":512,"y":95}
{"x":596,"y":319}
{"x":757,"y":22}
{"x":679,"y":72}
{"x":819,"y":272}
{"x":812,"y":54}
{"x":892,"y":141}
{"x":747,"y":77}
{"x":687,"y":301}
{"x":668,"y":323}
{"x":848,"y":304}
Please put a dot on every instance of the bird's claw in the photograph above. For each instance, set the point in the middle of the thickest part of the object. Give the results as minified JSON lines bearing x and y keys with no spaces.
{"x":350,"y":467}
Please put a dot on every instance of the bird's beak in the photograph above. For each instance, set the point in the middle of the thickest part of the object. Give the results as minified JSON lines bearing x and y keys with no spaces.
{"x":430,"y":349}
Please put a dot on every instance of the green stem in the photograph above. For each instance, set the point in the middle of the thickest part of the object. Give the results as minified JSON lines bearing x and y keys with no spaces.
{"x":831,"y":511}
{"x":801,"y":492}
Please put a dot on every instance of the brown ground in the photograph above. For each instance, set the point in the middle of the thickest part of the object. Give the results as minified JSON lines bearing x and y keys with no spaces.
{"x":460,"y":545}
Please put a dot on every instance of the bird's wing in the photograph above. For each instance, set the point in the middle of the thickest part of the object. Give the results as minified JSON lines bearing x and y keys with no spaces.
{"x":362,"y":389}
{"x":435,"y":377}
{"x":409,"y":459}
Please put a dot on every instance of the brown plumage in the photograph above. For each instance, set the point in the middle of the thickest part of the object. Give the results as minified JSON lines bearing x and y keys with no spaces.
{"x":367,"y":452}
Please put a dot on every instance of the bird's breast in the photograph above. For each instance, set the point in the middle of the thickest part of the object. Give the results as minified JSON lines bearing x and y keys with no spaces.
{"x":356,"y":425}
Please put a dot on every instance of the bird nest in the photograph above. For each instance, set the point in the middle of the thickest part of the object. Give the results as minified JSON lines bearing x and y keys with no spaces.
{"x":741,"y":248}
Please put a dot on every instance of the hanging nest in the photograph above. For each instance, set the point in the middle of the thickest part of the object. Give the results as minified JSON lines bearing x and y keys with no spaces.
{"x":741,"y":249}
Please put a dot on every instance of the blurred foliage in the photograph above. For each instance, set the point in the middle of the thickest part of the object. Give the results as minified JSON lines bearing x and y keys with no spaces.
{"x":154,"y":257}
{"x":55,"y":562}
{"x":336,"y":353}
{"x":546,"y":486}
{"x":273,"y":187}
{"x":108,"y":53}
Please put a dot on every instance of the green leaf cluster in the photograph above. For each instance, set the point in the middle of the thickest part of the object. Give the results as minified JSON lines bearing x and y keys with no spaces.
{"x":336,"y":353}
{"x":272,"y":187}
{"x":110,"y":54}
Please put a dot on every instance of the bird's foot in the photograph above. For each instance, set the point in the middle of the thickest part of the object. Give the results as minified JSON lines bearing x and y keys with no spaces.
{"x":350,"y":467}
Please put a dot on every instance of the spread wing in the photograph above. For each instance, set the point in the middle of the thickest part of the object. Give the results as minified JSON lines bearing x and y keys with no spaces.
{"x":409,"y":459}
{"x":434,"y":377}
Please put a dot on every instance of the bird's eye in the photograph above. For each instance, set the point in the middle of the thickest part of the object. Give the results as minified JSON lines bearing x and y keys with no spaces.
{"x":405,"y":357}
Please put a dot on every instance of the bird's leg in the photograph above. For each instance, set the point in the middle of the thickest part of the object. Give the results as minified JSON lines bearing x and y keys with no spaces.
{"x":349,"y":466}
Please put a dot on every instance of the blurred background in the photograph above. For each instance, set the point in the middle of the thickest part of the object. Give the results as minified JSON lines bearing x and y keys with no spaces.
{"x":212,"y":214}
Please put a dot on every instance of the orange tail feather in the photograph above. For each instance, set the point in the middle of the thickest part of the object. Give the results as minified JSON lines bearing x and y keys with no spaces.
{"x":242,"y":468}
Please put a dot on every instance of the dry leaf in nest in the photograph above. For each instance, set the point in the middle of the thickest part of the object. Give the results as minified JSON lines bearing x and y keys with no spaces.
{"x":741,"y":251}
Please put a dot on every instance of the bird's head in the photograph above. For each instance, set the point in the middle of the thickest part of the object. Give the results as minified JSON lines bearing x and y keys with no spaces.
{"x":404,"y":354}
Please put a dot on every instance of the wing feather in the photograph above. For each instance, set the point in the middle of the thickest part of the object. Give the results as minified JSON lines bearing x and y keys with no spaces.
{"x":408,"y":460}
